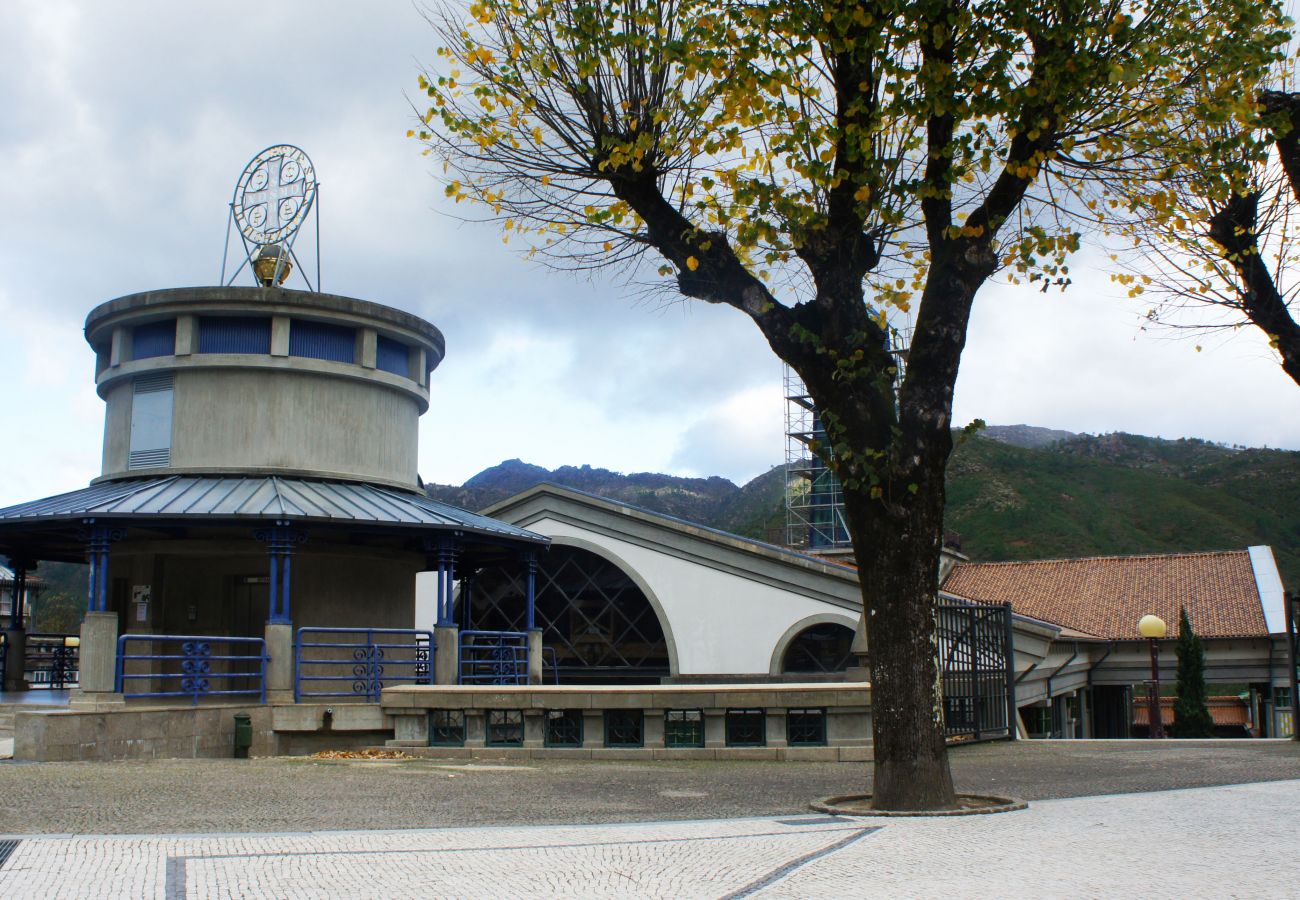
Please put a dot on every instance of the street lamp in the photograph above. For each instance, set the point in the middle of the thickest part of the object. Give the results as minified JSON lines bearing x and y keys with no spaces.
{"x":1153,"y":629}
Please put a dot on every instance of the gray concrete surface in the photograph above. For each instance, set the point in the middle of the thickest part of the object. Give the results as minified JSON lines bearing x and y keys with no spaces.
{"x":186,"y":796}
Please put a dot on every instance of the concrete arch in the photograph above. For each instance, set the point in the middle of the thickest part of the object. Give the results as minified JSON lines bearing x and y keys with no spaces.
{"x":617,"y":561}
{"x":848,"y":621}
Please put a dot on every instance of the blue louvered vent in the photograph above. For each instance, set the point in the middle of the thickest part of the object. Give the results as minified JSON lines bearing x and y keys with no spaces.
{"x":234,"y":334}
{"x":316,"y":340}
{"x":393,"y":356}
{"x":154,"y":339}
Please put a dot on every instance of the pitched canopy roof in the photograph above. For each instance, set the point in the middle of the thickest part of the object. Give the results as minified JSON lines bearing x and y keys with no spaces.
{"x":193,"y":498}
{"x":1105,"y":596}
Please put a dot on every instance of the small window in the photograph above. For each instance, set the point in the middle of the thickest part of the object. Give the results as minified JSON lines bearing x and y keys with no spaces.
{"x":447,"y":728}
{"x":505,"y":727}
{"x":154,"y":339}
{"x":746,"y":728}
{"x":1281,"y":697}
{"x":684,"y":728}
{"x":564,"y":728}
{"x":234,"y":334}
{"x":624,"y":728}
{"x":805,"y":727}
{"x":318,"y":340}
{"x":392,"y":356}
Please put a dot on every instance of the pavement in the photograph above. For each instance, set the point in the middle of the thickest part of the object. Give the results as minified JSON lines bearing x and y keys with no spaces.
{"x":1199,"y":842}
{"x":1173,"y":818}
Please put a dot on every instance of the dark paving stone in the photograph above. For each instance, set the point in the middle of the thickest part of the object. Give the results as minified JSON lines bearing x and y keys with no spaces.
{"x":185,"y":796}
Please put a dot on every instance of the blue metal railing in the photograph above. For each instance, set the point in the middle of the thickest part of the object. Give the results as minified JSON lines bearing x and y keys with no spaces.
{"x":493,"y":657}
{"x":53,"y":661}
{"x":359,"y":662}
{"x":189,"y":671}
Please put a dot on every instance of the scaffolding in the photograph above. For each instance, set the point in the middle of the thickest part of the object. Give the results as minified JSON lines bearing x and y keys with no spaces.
{"x":814,"y":500}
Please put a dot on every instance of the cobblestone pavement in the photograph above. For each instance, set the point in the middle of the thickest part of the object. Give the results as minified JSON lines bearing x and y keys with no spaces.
{"x":1206,"y":842}
{"x":302,"y":795}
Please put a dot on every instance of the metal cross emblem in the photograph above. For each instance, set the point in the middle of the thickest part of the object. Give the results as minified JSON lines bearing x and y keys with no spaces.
{"x":274,"y":194}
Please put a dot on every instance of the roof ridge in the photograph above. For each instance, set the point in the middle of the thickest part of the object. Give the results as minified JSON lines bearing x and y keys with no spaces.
{"x":1078,"y":559}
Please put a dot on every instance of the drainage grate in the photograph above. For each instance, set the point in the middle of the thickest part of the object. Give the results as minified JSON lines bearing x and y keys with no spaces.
{"x":7,"y":849}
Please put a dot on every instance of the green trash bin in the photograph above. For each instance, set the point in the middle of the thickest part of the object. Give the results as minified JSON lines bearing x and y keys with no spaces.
{"x":243,"y":735}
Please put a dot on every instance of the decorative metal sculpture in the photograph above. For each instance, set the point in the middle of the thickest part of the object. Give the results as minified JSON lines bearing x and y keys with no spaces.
{"x":274,"y":194}
{"x":273,"y":198}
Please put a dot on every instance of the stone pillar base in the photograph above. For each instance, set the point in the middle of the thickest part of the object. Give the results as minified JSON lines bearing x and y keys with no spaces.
{"x":535,"y":664}
{"x":99,"y":653}
{"x":15,"y":674}
{"x":279,"y":667}
{"x":80,"y":699}
{"x":446,"y":659}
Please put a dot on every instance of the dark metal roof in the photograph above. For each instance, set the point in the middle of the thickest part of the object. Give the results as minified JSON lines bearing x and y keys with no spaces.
{"x":190,"y":497}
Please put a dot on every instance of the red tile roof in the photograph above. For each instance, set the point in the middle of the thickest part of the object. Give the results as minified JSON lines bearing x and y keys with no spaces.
{"x":1105,"y":596}
{"x":1223,"y":710}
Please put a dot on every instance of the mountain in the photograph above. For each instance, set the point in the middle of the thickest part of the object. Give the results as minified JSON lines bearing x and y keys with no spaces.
{"x":1029,"y":436}
{"x":1014,"y":492}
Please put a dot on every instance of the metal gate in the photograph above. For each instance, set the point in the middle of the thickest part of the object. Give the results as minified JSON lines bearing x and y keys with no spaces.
{"x":979,"y":689}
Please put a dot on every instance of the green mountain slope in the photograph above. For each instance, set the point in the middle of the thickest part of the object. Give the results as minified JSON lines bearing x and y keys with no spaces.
{"x":1018,"y":493}
{"x":1123,"y":494}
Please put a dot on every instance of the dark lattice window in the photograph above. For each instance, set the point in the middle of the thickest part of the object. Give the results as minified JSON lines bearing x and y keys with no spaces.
{"x":624,"y":728}
{"x":821,"y":649}
{"x":505,"y":727}
{"x":598,"y":624}
{"x":564,"y":728}
{"x":447,"y":728}
{"x":746,"y":728}
{"x":805,"y":727}
{"x":684,"y":728}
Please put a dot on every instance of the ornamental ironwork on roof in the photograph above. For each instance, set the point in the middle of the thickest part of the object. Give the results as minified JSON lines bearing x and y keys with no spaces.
{"x":188,"y":497}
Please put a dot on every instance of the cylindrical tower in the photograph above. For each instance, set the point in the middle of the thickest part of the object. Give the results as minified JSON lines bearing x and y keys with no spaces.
{"x":261,"y":381}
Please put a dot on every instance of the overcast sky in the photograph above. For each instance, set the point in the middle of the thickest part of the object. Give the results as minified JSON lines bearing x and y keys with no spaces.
{"x":124,"y":127}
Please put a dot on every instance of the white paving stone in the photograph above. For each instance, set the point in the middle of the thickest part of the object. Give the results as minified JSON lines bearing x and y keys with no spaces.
{"x":1205,"y":842}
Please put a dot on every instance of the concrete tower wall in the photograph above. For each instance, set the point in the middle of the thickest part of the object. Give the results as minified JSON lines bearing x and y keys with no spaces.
{"x":316,"y":385}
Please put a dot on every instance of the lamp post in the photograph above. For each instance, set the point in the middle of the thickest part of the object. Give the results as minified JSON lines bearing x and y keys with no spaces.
{"x":1153,"y":629}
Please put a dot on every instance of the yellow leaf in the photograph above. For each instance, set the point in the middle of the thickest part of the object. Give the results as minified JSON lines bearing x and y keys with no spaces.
{"x":692,"y":263}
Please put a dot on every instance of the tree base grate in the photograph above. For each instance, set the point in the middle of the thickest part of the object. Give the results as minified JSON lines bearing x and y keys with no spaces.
{"x":7,"y":849}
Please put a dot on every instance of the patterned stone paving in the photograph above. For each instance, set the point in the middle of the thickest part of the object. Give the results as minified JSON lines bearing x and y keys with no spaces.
{"x":1205,"y":842}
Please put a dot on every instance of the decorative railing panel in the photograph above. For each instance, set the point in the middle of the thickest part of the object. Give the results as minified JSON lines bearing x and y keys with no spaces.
{"x":194,"y":666}
{"x":493,"y":657}
{"x":53,"y":661}
{"x":360,"y":662}
{"x":975,"y":655}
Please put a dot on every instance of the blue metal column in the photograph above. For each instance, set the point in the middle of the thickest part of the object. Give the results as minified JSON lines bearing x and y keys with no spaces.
{"x":280,"y":540}
{"x":98,"y":539}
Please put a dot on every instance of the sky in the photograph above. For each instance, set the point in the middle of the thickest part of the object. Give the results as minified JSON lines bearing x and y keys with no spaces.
{"x":125,"y":127}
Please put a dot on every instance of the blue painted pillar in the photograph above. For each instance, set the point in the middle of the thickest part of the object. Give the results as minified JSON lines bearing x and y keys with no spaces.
{"x":280,"y":540}
{"x":98,"y":539}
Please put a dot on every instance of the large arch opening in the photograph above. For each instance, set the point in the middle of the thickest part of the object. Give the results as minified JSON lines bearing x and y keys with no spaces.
{"x":598,"y":626}
{"x":822,"y":649}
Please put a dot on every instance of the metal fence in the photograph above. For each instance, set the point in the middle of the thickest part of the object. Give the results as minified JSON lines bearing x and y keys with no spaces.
{"x":51,"y":661}
{"x":360,"y":662}
{"x":193,"y":666}
{"x":494,"y":657}
{"x":976,"y":657}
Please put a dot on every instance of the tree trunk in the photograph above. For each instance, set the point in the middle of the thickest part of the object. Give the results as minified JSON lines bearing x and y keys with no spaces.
{"x":899,"y":544}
